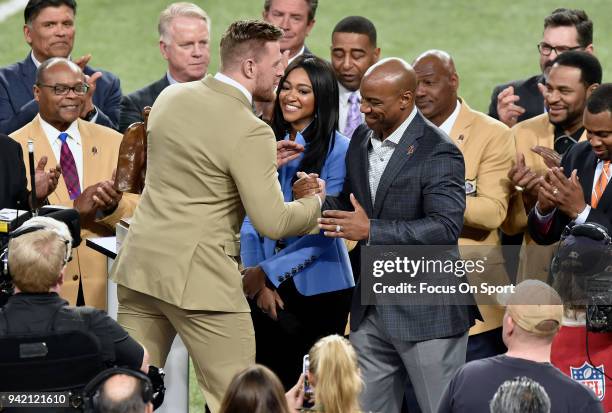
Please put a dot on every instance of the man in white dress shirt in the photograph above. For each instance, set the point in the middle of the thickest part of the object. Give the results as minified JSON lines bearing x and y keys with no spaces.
{"x":353,"y":51}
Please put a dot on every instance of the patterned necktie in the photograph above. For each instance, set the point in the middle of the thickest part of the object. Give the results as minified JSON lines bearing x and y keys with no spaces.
{"x":601,"y":184}
{"x":69,"y":169}
{"x":353,"y":117}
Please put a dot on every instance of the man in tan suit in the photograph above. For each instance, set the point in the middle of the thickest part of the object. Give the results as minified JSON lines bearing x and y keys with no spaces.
{"x":210,"y":160}
{"x":488,"y":151}
{"x":541,"y":141}
{"x":60,"y":91}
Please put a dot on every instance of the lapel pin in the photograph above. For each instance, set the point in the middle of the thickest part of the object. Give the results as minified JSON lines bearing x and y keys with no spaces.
{"x":94,"y":150}
{"x":410,"y":150}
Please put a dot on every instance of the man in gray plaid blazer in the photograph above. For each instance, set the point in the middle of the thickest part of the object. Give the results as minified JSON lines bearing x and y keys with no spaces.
{"x":404,"y":186}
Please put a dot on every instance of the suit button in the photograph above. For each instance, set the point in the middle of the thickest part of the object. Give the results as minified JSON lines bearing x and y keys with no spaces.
{"x":75,"y":277}
{"x":287,"y":275}
{"x":301,"y":267}
{"x":281,"y":279}
{"x":294,"y":271}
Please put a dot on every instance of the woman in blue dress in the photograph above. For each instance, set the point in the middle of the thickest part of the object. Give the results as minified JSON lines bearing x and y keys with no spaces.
{"x":308,"y":279}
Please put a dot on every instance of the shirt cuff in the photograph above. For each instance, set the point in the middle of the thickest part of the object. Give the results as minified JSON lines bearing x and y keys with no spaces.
{"x":543,"y":219}
{"x":582,"y":217}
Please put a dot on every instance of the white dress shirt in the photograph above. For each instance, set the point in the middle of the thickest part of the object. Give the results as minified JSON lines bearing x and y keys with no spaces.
{"x":447,"y":125}
{"x":381,"y":151}
{"x":73,"y":141}
{"x":343,"y":106}
{"x":229,"y":81}
{"x":301,"y":52}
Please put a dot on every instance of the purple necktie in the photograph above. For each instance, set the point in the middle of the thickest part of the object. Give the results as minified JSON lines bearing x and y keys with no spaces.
{"x":353,"y":117}
{"x":69,"y":170}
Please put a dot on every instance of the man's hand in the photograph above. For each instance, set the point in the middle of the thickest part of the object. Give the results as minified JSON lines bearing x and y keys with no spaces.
{"x":507,"y":111}
{"x":267,"y":300}
{"x":295,"y":395}
{"x":46,"y":182}
{"x":88,"y":105}
{"x":85,"y":204}
{"x":353,"y":226}
{"x":253,"y":280}
{"x":306,"y":185}
{"x":546,"y":200}
{"x":83,"y":61}
{"x":106,"y":197}
{"x":567,"y":192}
{"x":551,"y":158}
{"x":286,"y":151}
{"x":525,"y":181}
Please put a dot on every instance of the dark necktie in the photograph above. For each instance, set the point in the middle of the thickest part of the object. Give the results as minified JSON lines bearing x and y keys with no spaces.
{"x":69,"y":169}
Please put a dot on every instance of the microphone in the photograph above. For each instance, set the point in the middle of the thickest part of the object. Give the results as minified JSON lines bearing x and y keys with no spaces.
{"x":34,"y":209}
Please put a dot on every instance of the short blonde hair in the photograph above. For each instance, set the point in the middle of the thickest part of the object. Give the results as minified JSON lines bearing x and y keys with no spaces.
{"x":36,"y":258}
{"x":180,"y":9}
{"x":333,"y":362}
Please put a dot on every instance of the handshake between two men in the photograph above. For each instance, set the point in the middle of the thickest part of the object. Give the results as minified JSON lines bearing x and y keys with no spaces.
{"x":351,"y":225}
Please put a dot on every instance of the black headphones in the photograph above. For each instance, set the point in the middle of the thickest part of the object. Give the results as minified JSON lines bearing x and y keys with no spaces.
{"x":569,"y":246}
{"x":33,"y":225}
{"x":91,"y":393}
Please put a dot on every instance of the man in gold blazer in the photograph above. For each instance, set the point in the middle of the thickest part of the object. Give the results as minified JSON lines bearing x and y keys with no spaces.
{"x":209,"y":160}
{"x":570,"y":82}
{"x":488,"y":151}
{"x":60,"y":89}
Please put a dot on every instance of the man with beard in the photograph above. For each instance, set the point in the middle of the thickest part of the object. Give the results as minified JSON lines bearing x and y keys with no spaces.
{"x":578,"y":191}
{"x":572,"y":78}
{"x":564,"y":30}
{"x":209,"y":160}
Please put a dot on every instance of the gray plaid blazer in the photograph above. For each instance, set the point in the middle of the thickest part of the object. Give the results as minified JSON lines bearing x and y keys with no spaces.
{"x":420,"y":200}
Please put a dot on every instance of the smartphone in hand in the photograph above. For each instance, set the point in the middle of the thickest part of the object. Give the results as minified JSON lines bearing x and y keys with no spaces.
{"x":308,"y":390}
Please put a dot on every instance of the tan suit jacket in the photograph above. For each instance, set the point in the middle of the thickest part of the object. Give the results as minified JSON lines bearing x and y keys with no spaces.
{"x":534,"y":259}
{"x":209,"y":160}
{"x":488,"y":152}
{"x":100,"y":152}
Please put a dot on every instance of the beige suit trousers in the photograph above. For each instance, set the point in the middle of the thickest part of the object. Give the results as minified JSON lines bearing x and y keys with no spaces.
{"x":220,"y":344}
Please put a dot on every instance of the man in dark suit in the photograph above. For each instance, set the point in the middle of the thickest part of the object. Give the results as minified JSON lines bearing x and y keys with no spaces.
{"x":579,"y":191}
{"x":404,"y":186}
{"x":49,"y":30}
{"x":183,"y":41}
{"x":13,"y":183}
{"x":564,"y":29}
{"x":296,"y":18}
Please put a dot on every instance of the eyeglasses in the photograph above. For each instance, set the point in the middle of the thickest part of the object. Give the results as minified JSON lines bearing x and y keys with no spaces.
{"x":545,"y":49}
{"x":63,"y":90}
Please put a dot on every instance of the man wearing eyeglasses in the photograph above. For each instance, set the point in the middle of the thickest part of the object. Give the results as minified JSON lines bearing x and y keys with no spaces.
{"x":49,"y":30}
{"x":87,"y":154}
{"x":564,"y":30}
{"x":571,"y":79}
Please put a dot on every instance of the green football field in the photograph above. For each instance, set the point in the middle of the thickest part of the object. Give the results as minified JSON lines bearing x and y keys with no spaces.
{"x":491,"y":41}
